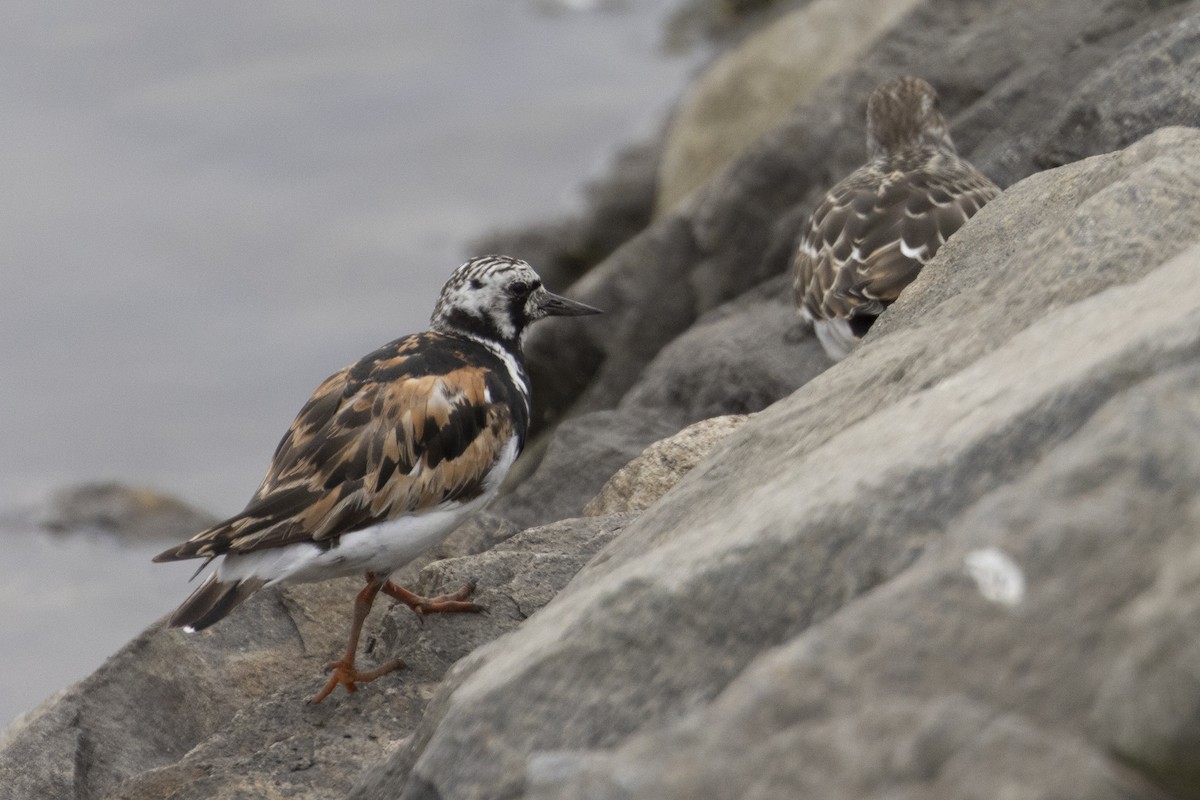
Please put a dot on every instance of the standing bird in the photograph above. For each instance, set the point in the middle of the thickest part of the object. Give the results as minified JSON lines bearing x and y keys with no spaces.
{"x":386,"y":458}
{"x":874,"y":230}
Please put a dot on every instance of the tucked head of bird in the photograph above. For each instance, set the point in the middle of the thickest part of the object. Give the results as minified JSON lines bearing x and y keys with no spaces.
{"x":498,"y":298}
{"x":903,"y":114}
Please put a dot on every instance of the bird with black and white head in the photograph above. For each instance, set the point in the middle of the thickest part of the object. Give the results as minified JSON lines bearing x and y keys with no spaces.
{"x":874,"y":231}
{"x":387,"y":458}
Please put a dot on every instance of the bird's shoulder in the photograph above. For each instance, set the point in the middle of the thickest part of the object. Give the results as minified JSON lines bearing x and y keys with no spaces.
{"x":417,"y":377}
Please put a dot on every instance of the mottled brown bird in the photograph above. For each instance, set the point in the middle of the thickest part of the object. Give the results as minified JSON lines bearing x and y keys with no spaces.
{"x":874,"y":230}
{"x":386,"y":458}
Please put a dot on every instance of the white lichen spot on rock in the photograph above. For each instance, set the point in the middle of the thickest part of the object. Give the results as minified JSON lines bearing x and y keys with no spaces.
{"x":997,"y":576}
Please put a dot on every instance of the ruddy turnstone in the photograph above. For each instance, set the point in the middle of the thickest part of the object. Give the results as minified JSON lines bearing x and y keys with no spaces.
{"x":386,"y":458}
{"x":875,"y":229}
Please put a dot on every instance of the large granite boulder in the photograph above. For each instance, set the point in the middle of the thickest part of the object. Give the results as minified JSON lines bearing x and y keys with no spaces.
{"x":1037,"y":641}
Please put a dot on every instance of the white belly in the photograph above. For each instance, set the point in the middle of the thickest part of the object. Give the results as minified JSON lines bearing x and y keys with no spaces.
{"x":836,"y":337}
{"x":383,"y":548}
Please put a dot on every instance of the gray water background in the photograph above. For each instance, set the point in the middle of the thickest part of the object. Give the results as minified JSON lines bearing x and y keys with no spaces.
{"x":207,"y":208}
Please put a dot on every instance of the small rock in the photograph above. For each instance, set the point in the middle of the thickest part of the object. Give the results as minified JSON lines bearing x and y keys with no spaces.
{"x":652,"y":474}
{"x":131,"y":512}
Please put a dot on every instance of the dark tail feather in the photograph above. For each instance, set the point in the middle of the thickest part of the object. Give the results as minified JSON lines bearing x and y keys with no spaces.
{"x":211,"y":601}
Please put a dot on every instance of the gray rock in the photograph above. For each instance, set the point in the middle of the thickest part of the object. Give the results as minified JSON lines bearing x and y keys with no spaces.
{"x":130,"y":512}
{"x":1155,"y":81}
{"x":930,"y":686}
{"x":150,"y":704}
{"x":223,"y":713}
{"x":660,"y":466}
{"x":736,"y":359}
{"x":947,"y":748}
{"x":818,"y":582}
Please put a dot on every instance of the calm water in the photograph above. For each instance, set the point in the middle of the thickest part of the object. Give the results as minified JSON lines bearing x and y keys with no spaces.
{"x":208,"y":208}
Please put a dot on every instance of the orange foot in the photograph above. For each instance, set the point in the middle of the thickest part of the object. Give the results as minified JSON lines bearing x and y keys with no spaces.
{"x":442,"y":604}
{"x":344,"y":674}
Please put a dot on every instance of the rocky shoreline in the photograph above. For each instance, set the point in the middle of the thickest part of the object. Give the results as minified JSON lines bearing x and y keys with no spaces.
{"x":961,"y":563}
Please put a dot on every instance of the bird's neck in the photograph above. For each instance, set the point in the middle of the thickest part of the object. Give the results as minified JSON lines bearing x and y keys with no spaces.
{"x":483,"y":329}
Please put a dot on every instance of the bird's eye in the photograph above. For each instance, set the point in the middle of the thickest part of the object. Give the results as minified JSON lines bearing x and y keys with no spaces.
{"x":519,"y":288}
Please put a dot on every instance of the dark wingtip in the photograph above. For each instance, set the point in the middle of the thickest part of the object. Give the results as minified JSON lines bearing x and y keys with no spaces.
{"x":171,"y":554}
{"x":183,"y":551}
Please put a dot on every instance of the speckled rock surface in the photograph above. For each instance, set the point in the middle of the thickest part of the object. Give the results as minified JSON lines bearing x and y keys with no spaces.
{"x":1077,"y":680}
{"x":660,"y":466}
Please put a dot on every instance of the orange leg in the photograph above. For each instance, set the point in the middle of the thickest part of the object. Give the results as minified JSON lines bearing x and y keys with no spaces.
{"x":443,"y":603}
{"x":344,"y":672}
